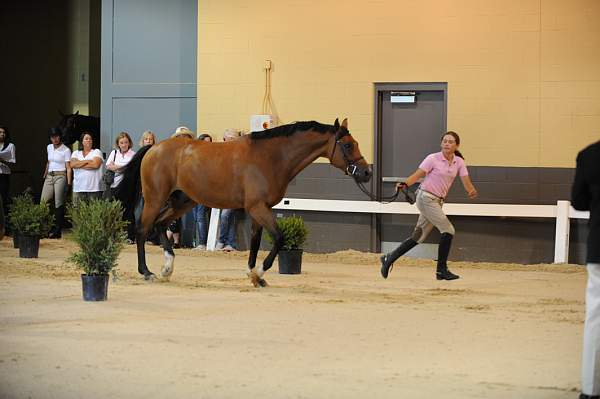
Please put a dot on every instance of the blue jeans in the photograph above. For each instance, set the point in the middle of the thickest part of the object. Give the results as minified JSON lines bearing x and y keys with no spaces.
{"x":227,"y":227}
{"x":201,"y":223}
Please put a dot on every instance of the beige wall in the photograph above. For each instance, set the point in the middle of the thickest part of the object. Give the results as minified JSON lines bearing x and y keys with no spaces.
{"x":523,"y":76}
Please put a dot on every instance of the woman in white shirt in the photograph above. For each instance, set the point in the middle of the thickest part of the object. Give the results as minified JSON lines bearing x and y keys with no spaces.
{"x":117,"y":159}
{"x":87,"y":171}
{"x":7,"y":157}
{"x":57,"y":177}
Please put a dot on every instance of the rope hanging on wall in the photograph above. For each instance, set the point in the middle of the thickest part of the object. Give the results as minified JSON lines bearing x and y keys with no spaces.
{"x":266,"y":104}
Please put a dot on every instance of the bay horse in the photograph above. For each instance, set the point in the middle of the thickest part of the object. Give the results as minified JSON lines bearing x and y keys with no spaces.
{"x":72,"y":125}
{"x":252,"y":172}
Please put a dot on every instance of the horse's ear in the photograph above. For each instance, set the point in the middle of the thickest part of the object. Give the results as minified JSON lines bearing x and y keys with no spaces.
{"x":336,"y":124}
{"x":345,"y":123}
{"x":76,"y":113}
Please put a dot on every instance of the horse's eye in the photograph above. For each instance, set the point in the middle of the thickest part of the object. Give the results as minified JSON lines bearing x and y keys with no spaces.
{"x":348,"y":146}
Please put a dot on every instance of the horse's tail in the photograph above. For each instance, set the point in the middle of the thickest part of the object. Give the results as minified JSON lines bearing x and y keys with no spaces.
{"x":129,"y":189}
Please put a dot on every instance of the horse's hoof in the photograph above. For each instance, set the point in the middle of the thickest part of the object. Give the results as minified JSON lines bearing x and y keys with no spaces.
{"x":262,"y":282}
{"x":254,"y":279}
{"x":166,"y":273}
{"x":149,"y":277}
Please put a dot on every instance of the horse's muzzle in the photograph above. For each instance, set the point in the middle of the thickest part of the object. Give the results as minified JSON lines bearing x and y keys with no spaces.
{"x":360,"y":174}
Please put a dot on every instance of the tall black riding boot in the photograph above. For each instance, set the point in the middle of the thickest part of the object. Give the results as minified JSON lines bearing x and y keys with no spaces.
{"x":59,"y":217}
{"x":388,"y":260}
{"x":443,"y":250}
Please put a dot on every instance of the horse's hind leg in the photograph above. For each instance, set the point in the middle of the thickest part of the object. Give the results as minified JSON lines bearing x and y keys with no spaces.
{"x":143,"y":226}
{"x":264,"y":216}
{"x":168,"y":267}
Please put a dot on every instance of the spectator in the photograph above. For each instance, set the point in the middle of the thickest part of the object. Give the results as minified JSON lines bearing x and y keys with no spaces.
{"x":148,"y":138}
{"x":200,"y":212}
{"x":118,"y":158}
{"x":57,"y":178}
{"x":7,"y":157}
{"x":205,"y":137}
{"x":227,"y":221}
{"x":183,"y":132}
{"x":87,"y":175}
{"x":174,"y":229}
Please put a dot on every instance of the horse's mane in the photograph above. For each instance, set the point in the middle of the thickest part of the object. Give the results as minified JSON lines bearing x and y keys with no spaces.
{"x":288,"y":130}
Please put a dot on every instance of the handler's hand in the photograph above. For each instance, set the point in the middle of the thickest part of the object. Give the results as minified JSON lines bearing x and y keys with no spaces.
{"x":401,"y":186}
{"x":473,"y":194}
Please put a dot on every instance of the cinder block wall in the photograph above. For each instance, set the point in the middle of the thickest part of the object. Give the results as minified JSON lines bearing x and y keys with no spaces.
{"x":523,"y":75}
{"x":523,"y":91}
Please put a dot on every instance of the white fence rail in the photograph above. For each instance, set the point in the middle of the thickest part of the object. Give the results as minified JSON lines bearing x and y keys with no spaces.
{"x":562,"y":212}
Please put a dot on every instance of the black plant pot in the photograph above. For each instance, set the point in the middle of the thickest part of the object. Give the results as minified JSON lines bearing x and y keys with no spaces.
{"x":29,"y":246}
{"x":290,"y":262}
{"x":16,"y":235}
{"x":95,"y":288}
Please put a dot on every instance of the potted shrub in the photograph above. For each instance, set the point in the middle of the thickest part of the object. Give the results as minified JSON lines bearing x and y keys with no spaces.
{"x":294,"y":235}
{"x":99,"y":230}
{"x":30,"y":222}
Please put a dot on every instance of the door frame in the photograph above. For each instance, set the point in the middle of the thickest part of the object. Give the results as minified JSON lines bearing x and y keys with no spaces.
{"x":380,"y":88}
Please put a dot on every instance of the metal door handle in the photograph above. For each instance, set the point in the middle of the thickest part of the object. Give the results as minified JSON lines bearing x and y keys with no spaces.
{"x":394,"y":179}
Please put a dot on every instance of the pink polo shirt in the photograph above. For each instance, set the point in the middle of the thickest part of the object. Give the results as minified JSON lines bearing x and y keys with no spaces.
{"x":441,"y":173}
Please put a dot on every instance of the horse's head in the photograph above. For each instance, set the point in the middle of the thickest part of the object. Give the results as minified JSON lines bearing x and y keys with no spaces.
{"x":346,"y":155}
{"x":68,"y":127}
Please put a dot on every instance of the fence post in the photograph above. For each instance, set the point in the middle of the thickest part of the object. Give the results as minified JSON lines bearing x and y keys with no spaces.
{"x":561,"y":241}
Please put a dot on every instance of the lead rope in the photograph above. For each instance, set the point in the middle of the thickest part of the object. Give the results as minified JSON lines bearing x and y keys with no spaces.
{"x":389,"y":199}
{"x":384,"y":200}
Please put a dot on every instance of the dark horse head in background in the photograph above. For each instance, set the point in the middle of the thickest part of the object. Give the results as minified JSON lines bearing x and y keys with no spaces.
{"x":73,"y":125}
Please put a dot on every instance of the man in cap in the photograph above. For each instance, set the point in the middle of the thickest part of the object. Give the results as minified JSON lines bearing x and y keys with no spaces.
{"x":183,"y":131}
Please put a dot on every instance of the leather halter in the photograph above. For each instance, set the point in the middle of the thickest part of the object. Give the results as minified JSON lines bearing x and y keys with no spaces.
{"x":350,"y":163}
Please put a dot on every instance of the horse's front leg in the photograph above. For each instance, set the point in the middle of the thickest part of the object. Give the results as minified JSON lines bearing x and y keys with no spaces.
{"x":263,"y":216}
{"x":254,"y":246}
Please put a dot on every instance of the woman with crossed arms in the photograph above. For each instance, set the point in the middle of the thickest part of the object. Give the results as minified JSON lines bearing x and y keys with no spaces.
{"x":87,"y":172}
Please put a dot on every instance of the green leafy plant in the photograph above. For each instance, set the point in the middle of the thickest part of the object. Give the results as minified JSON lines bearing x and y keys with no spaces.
{"x":294,"y":232}
{"x":99,"y":230}
{"x":29,"y":218}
